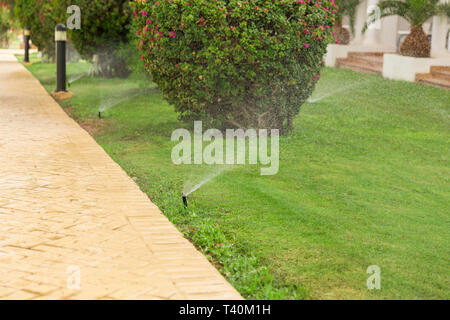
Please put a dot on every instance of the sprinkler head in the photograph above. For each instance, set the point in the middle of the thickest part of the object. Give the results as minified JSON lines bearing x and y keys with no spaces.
{"x":99,"y":114}
{"x":185,"y":201}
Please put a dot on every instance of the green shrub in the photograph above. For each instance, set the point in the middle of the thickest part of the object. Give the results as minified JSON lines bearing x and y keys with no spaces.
{"x":237,"y":63}
{"x":104,"y":29}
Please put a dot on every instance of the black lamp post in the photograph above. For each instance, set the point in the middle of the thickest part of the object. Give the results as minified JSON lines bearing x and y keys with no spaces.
{"x":26,"y":39}
{"x":61,"y":39}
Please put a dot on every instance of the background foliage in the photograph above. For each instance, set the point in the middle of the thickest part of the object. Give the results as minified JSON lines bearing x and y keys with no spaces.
{"x":345,"y":8}
{"x":41,"y":16}
{"x":104,"y":29}
{"x":416,"y":12}
{"x":5,"y":23}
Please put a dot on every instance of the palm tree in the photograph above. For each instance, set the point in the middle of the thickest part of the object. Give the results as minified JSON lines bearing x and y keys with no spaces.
{"x":345,"y":8}
{"x":416,"y":12}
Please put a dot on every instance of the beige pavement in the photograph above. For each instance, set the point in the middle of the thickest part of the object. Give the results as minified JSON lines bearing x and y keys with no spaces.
{"x":73,"y":225}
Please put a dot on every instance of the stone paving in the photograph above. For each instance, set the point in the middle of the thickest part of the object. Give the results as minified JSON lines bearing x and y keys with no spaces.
{"x":73,"y":225}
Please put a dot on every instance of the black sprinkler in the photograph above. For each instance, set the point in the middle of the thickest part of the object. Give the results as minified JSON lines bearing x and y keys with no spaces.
{"x":185,"y":201}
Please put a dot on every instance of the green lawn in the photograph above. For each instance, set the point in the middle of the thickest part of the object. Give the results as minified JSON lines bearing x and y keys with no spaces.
{"x":363,"y":180}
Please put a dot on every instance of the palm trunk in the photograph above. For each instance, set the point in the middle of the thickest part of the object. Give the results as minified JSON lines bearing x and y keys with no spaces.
{"x":416,"y":44}
{"x":341,"y":34}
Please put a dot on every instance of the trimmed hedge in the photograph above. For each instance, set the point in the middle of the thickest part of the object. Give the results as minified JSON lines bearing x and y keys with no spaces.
{"x":235,"y":63}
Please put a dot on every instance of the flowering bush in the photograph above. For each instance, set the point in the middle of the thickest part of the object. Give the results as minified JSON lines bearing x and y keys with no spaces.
{"x":104,"y":29}
{"x":239,"y":63}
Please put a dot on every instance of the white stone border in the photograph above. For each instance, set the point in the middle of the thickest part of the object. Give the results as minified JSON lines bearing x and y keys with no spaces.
{"x":397,"y":67}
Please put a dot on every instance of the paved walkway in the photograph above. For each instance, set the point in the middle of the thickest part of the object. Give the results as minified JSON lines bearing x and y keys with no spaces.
{"x":73,"y":225}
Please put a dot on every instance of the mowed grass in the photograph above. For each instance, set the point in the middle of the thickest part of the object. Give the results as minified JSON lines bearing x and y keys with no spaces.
{"x":363,"y":180}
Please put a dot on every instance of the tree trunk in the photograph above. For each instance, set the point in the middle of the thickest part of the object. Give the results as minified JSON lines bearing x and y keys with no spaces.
{"x":416,"y":44}
{"x":290,"y":120}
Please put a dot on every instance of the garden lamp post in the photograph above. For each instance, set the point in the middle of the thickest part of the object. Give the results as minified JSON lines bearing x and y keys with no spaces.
{"x":60,"y":38}
{"x":26,"y":39}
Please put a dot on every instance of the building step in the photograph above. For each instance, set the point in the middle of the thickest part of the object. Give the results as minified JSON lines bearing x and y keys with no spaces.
{"x":430,"y":80}
{"x":373,"y":58}
{"x":441,"y":72}
{"x":365,"y":62}
{"x":366,"y":54}
{"x":373,"y":61}
{"x":359,"y":66}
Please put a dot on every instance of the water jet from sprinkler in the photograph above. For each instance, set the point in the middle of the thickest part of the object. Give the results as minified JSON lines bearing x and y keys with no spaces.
{"x":75,"y":78}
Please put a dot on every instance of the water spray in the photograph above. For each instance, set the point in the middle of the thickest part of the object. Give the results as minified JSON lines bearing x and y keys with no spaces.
{"x":116,"y":100}
{"x":75,"y":78}
{"x":188,"y":188}
{"x":344,"y":88}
